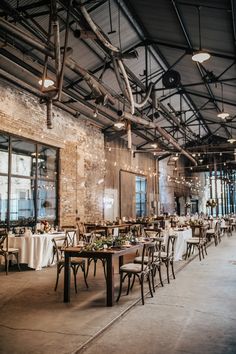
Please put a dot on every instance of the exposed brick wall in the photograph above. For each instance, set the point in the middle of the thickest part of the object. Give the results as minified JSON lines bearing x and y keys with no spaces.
{"x":88,"y":170}
{"x":81,"y":154}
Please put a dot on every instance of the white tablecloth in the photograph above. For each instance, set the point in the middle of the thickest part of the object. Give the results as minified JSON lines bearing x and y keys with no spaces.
{"x":35,"y":250}
{"x":181,"y":243}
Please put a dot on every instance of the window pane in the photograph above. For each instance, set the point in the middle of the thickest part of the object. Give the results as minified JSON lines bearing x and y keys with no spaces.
{"x":3,"y":200}
{"x":4,"y":141}
{"x":141,"y":185}
{"x":21,"y":201}
{"x":143,"y":198}
{"x":23,"y":157}
{"x":46,"y":200}
{"x":47,"y":162}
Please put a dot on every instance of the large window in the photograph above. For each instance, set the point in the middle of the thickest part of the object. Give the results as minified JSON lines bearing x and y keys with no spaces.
{"x":141,"y":196}
{"x":28,"y":182}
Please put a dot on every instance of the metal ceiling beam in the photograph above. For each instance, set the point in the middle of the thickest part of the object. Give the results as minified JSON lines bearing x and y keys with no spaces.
{"x":201,"y":83}
{"x":182,"y":25}
{"x":233,"y":16}
{"x":10,"y":11}
{"x":227,"y":102}
{"x":189,"y":52}
{"x":141,"y":31}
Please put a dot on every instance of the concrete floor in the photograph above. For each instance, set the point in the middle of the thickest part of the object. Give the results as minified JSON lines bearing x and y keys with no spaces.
{"x":196,"y":313}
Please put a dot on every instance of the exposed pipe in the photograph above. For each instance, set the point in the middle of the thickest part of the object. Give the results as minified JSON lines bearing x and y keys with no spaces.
{"x":65,"y":53}
{"x":33,"y":42}
{"x":166,"y":135}
{"x":91,"y":80}
{"x":97,"y":88}
{"x":115,"y":50}
{"x":119,"y":79}
{"x":56,"y":37}
{"x":146,"y":98}
{"x":129,"y":135}
{"x":49,"y":114}
{"x":97,"y":31}
{"x":82,"y":34}
{"x":128,"y":88}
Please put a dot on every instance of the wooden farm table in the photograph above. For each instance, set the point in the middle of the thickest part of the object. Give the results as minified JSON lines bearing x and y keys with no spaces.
{"x":108,"y":254}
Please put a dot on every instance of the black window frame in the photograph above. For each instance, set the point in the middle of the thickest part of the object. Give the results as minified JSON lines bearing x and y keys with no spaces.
{"x":35,"y":180}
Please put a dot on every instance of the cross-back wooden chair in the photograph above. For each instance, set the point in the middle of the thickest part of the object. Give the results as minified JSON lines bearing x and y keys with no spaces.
{"x":6,"y":251}
{"x":141,"y":270}
{"x":76,"y":263}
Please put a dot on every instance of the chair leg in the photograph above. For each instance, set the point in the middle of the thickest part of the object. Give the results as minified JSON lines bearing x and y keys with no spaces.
{"x":160,"y":275}
{"x":128,"y":287}
{"x":186,"y":254}
{"x":202,"y":250}
{"x":17,"y":260}
{"x":83,"y":268}
{"x":120,"y":289}
{"x":104,"y":263}
{"x":54,"y":252}
{"x":205,"y":248}
{"x":167,"y":270}
{"x":58,"y":273}
{"x":6,"y":264}
{"x":132,"y":282}
{"x":84,"y":273}
{"x":172,"y":268}
{"x":75,"y":269}
{"x":188,"y":251}
{"x":153,"y":273}
{"x":142,"y":291}
{"x":88,"y":265}
{"x":215,"y":239}
{"x":149,"y":284}
{"x":199,"y":252}
{"x":95,"y":267}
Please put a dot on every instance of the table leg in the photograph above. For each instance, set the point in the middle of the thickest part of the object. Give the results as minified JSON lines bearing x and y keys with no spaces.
{"x":110,"y":281}
{"x":67,"y":279}
{"x":121,"y":261}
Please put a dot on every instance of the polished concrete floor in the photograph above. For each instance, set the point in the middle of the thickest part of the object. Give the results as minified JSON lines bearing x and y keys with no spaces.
{"x":196,"y":313}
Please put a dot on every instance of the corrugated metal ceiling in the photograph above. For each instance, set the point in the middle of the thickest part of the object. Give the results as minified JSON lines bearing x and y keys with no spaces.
{"x":162,"y":33}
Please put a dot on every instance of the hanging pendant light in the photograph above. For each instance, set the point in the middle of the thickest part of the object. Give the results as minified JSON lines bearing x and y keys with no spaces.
{"x":222,"y":114}
{"x":47,"y":83}
{"x":119,"y":124}
{"x":201,"y":55}
{"x":231,"y":140}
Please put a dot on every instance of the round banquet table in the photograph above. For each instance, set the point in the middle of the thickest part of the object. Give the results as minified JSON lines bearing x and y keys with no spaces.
{"x":36,"y":250}
{"x":181,"y":243}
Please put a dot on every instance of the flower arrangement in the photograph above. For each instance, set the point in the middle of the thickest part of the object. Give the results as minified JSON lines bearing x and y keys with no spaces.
{"x":45,"y":226}
{"x":107,"y":242}
{"x":211,"y":203}
{"x":197,"y":222}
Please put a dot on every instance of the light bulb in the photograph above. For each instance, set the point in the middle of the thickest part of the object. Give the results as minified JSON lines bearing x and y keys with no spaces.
{"x":223,"y":115}
{"x":200,"y":57}
{"x":119,"y":125}
{"x":47,"y":83}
